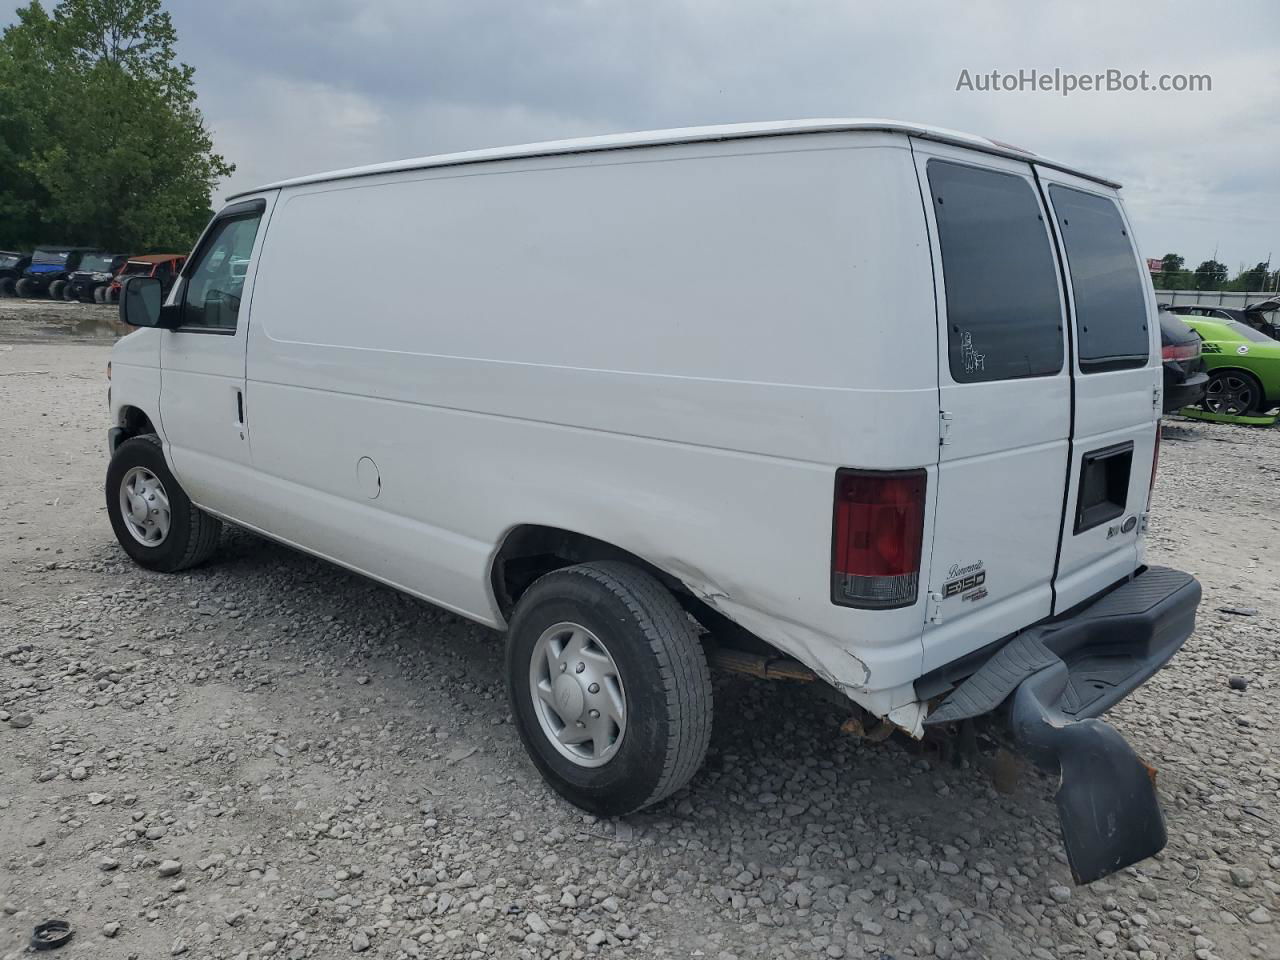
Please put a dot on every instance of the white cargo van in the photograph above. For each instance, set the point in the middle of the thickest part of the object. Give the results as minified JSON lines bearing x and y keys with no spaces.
{"x":861,"y":401}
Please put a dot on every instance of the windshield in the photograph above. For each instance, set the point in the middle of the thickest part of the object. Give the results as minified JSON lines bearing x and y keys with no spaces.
{"x":135,"y":269}
{"x":47,"y":257}
{"x":1248,"y":332}
{"x":96,"y":262}
{"x":8,"y":260}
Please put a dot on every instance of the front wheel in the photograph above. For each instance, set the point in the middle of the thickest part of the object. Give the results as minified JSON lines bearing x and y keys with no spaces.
{"x":55,"y":289}
{"x":609,"y":686}
{"x":24,"y":288}
{"x":156,"y":523}
{"x":69,"y":293}
{"x":1233,"y":392}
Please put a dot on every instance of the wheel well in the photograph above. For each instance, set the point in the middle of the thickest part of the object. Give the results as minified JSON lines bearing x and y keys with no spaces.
{"x":532,"y":550}
{"x":135,"y":422}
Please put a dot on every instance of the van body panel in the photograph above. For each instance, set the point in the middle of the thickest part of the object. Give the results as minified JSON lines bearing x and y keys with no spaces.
{"x":1114,"y":408}
{"x":1003,"y":454}
{"x":657,"y":389}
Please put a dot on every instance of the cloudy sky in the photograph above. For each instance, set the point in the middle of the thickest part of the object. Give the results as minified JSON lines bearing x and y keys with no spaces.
{"x":297,"y":86}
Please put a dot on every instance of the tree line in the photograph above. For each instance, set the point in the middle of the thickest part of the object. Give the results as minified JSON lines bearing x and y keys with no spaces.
{"x":1213,"y":275}
{"x":101,"y":141}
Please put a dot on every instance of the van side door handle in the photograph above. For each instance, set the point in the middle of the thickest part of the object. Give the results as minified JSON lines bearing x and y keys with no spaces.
{"x":239,"y":407}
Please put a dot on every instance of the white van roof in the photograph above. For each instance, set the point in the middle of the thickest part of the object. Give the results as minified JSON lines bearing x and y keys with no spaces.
{"x":653,"y":138}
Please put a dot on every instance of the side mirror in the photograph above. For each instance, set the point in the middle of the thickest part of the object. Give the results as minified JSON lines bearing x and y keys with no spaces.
{"x":142,"y":303}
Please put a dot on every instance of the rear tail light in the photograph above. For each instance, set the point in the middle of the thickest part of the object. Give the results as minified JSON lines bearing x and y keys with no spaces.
{"x":877,"y":535}
{"x":1180,"y":351}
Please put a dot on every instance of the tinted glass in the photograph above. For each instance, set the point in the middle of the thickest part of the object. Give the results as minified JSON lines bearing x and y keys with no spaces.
{"x":1111,"y":311}
{"x":214,"y":287}
{"x":97,"y":263}
{"x":1004,"y":317}
{"x":1173,"y":330}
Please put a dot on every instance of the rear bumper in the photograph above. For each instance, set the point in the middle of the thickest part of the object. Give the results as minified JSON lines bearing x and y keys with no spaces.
{"x":1049,"y":685}
{"x":1182,"y":391}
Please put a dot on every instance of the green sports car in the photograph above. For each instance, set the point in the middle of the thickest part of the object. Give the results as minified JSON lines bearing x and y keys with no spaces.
{"x":1243,"y":366}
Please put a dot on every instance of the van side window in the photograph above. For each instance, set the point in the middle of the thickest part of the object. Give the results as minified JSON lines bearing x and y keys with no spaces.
{"x":1004,"y":314}
{"x":216,"y":282}
{"x":1111,"y":311}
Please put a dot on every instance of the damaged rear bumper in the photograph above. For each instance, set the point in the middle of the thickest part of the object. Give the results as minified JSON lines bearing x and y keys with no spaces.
{"x":1049,"y":685}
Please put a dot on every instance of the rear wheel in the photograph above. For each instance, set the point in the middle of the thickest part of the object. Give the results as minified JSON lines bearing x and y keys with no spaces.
{"x":156,"y":523}
{"x":55,"y":289}
{"x":609,"y":686}
{"x":24,"y":287}
{"x":69,"y":293}
{"x":1233,"y":392}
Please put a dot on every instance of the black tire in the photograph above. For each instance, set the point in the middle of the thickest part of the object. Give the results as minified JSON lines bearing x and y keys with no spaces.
{"x":99,"y":294}
{"x":55,"y":289}
{"x":1233,"y":392}
{"x":69,"y":294}
{"x":23,"y":288}
{"x":663,"y":672}
{"x":193,"y":534}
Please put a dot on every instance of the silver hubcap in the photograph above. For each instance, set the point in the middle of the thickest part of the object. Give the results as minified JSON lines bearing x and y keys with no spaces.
{"x":144,"y":505}
{"x":1229,"y":394}
{"x":577,"y":694}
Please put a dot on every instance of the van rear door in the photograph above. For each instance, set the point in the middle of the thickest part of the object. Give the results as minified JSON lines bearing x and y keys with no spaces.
{"x":1117,"y":387}
{"x":1004,"y":399}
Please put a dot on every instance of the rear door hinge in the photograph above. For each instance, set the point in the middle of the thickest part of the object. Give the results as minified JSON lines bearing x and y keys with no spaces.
{"x":944,"y":427}
{"x":935,"y":607}
{"x":1155,"y":396}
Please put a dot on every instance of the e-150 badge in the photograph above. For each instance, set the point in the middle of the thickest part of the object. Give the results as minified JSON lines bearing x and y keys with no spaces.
{"x":963,"y":579}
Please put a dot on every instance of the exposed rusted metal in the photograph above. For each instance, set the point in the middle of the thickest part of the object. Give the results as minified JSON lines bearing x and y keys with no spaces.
{"x":759,"y":665}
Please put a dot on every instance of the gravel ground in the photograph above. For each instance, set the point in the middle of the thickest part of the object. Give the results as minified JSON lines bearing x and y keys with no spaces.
{"x":270,"y":757}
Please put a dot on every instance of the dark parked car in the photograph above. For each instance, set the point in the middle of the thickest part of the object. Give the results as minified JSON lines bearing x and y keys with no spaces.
{"x":1263,"y":316}
{"x":95,"y":272}
{"x":1185,"y":379}
{"x":48,"y":270}
{"x":11,"y":266}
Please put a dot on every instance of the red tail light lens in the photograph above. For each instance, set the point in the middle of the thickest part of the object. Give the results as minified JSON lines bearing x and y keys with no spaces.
{"x":877,"y":536}
{"x":1183,"y":351}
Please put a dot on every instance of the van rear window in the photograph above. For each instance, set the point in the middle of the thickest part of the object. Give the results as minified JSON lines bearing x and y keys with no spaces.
{"x":1106,"y":283}
{"x":1004,"y":314}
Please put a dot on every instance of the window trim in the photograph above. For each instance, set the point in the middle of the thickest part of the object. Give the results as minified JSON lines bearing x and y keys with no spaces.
{"x":1085,"y":367}
{"x":237,"y":211}
{"x":1042,"y":210}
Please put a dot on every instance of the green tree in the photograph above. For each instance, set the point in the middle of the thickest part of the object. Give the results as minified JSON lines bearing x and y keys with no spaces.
{"x":1211,"y":275}
{"x":1172,"y":276}
{"x":102,"y":140}
{"x":1254,"y":278}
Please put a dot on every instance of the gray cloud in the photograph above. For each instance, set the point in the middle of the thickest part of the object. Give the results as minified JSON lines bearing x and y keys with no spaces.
{"x":297,"y":86}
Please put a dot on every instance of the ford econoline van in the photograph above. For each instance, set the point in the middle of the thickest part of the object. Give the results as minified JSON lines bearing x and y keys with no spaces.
{"x":865,"y":403}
